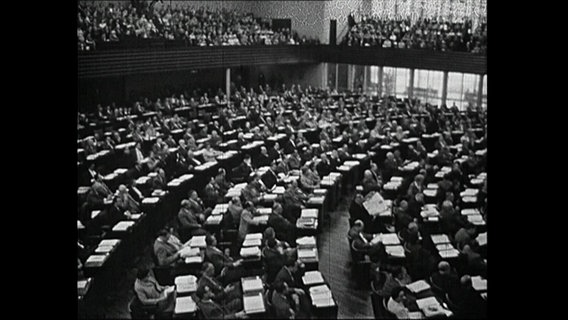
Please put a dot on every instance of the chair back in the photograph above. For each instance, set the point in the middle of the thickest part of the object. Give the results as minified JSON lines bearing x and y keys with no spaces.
{"x":386,"y":313}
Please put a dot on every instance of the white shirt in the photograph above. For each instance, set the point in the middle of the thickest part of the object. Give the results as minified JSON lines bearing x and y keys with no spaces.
{"x":399,"y":310}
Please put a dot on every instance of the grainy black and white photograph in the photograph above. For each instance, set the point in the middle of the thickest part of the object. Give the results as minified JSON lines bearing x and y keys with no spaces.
{"x":281,"y":159}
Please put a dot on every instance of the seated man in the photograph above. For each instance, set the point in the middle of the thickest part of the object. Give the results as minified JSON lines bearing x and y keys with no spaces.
{"x":252,"y":191}
{"x":293,"y":200}
{"x":160,"y":181}
{"x":284,"y":229}
{"x":213,"y":194}
{"x":210,"y":154}
{"x":397,"y":303}
{"x":221,"y":181}
{"x":309,"y":180}
{"x":357,"y":211}
{"x":213,"y":310}
{"x":324,"y":167}
{"x":465,"y":235}
{"x":291,"y":273}
{"x":228,"y":269}
{"x":243,"y":171}
{"x":263,"y":159}
{"x":151,"y":294}
{"x":273,"y":258}
{"x":190,"y":224}
{"x":225,"y":295}
{"x":467,"y":302}
{"x":297,"y":297}
{"x":359,"y":239}
{"x":125,"y":200}
{"x":369,"y":182}
{"x":246,"y":220}
{"x":233,"y":216}
{"x":444,"y":280}
{"x":196,"y":204}
{"x":167,"y":249}
{"x":281,"y":302}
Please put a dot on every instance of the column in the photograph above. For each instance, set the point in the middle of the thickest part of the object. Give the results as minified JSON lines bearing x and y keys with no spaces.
{"x":445,"y":88}
{"x":380,"y":81}
{"x":365,"y":78}
{"x":324,"y":75}
{"x":411,"y":84}
{"x":480,"y":91}
{"x":336,"y":76}
{"x":350,"y":76}
{"x":228,"y":84}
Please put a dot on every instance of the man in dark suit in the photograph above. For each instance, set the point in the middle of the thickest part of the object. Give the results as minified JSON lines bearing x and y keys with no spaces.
{"x":324,"y":166}
{"x":285,"y":230}
{"x":358,"y":212}
{"x":243,"y":171}
{"x":273,"y":258}
{"x":262,"y":159}
{"x":225,"y":295}
{"x":212,"y":310}
{"x":390,"y":166}
{"x":290,"y":273}
{"x":160,"y":181}
{"x":281,"y":302}
{"x":290,"y":145}
{"x":275,"y":152}
{"x":468,"y":303}
{"x":444,"y":280}
{"x":229,"y":269}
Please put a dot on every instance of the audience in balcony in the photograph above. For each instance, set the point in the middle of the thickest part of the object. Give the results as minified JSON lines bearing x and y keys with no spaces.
{"x":429,"y":34}
{"x":108,"y":22}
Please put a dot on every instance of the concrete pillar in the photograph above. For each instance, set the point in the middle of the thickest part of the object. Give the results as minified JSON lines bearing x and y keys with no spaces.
{"x":324,"y":75}
{"x":337,"y":76}
{"x":350,"y":76}
{"x":445,"y":88}
{"x":480,"y":91}
{"x":365,"y":78}
{"x":228,"y":84}
{"x":380,"y":81}
{"x":411,"y":84}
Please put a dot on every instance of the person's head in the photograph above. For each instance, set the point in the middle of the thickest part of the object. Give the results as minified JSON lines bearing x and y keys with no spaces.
{"x":374,"y":167}
{"x":210,"y":240}
{"x":368,"y":174}
{"x":277,"y":208}
{"x":398,"y":294}
{"x":142,"y":273}
{"x":419,"y":197}
{"x":403,"y":205}
{"x":269,"y":233}
{"x":390,"y":155}
{"x":208,"y":269}
{"x":465,"y":281}
{"x":359,"y":198}
{"x":161,"y":172}
{"x":263,"y":150}
{"x":323,"y":157}
{"x":184,"y":203}
{"x":193,"y":194}
{"x":444,"y":268}
{"x":164,"y":234}
{"x":271,"y":243}
{"x":419,"y":179}
{"x":248,"y":205}
{"x":247,"y":159}
{"x":447,"y":205}
{"x":204,"y":293}
{"x":277,"y":146}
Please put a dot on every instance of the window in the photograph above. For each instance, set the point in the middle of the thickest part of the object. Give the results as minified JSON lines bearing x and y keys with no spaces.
{"x":395,"y":81}
{"x":428,"y":86}
{"x":462,"y":90}
{"x":484,"y":99}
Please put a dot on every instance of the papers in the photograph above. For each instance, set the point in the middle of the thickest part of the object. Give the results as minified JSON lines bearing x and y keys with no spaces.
{"x":312,"y":277}
{"x":250,"y":252}
{"x":307,"y":253}
{"x":306,"y":223}
{"x":220,"y":209}
{"x":252,"y":243}
{"x":469,"y":199}
{"x":444,"y":246}
{"x":264,"y":211}
{"x":158,"y":193}
{"x":430,"y":192}
{"x":440,"y":238}
{"x":306,"y":241}
{"x":80,"y":225}
{"x":96,"y":259}
{"x":135,"y":216}
{"x":395,"y":251}
{"x":386,"y":239}
{"x":426,"y":302}
{"x":415,"y":315}
{"x":185,"y":305}
{"x":214,"y":219}
{"x":321,"y":296}
{"x":82,"y":284}
{"x":186,"y":283}
{"x":253,"y":303}
{"x":452,"y":253}
{"x":476,"y":219}
{"x":466,"y":212}
{"x":316,"y":200}
{"x":375,"y":205}
{"x":194,"y":259}
{"x":478,"y":283}
{"x":261,"y":219}
{"x":150,"y":200}
{"x":418,"y":286}
{"x":123,"y":225}
{"x":252,"y":285}
{"x":95,"y":213}
{"x":269,"y":197}
{"x":109,"y":242}
{"x":482,"y":239}
{"x":197,"y":241}
{"x":309,"y":213}
{"x":469,"y":192}
{"x":103,"y":249}
{"x":189,"y":252}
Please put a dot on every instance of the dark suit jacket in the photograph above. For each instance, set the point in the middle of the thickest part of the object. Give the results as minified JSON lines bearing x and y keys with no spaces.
{"x":212,"y":310}
{"x":323,"y":168}
{"x":285,"y":230}
{"x":281,"y":306}
{"x":273,"y":262}
{"x":285,"y":276}
{"x":217,"y":258}
{"x":262,"y":160}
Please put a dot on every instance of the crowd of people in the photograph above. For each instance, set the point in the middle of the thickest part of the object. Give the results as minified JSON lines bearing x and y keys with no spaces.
{"x":430,"y":34}
{"x":109,"y":22}
{"x":265,"y":110}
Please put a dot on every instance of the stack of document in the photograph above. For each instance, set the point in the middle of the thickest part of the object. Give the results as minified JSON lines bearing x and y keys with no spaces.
{"x":469,"y":192}
{"x":269,"y":197}
{"x":418,"y":286}
{"x":250,"y":252}
{"x":478,"y":283}
{"x":194,"y":259}
{"x":185,"y":305}
{"x":482,"y":239}
{"x":309,"y":213}
{"x":476,"y":219}
{"x":430,"y":306}
{"x":469,"y":199}
{"x":307,"y":253}
{"x":158,"y":193}
{"x":440,"y":238}
{"x":395,"y":251}
{"x":321,"y":296}
{"x":312,"y":277}
{"x":252,"y":285}
{"x":103,"y":249}
{"x":252,"y":243}
{"x":279,"y":190}
{"x":123,"y":225}
{"x":96,"y":259}
{"x":220,"y":208}
{"x":444,"y":246}
{"x":189,"y":252}
{"x":197,"y":241}
{"x":214,"y":219}
{"x":389,"y":238}
{"x":261,"y":219}
{"x":305,"y":222}
{"x":150,"y":200}
{"x":316,"y":199}
{"x":467,"y":212}
{"x":253,"y":303}
{"x":321,"y":192}
{"x":432,"y":186}
{"x":451,"y":253}
{"x":430,"y":192}
{"x":264,"y":211}
{"x":306,"y":242}
{"x":186,"y":284}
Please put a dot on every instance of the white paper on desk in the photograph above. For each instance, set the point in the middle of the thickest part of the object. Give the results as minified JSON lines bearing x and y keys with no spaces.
{"x":306,"y":241}
{"x":469,"y":199}
{"x":444,"y":246}
{"x":418,"y":286}
{"x":375,"y":205}
{"x":193,"y":259}
{"x":96,"y":258}
{"x":250,"y":252}
{"x":395,"y":251}
{"x":451,"y":253}
{"x":256,"y":235}
{"x":103,"y":249}
{"x":389,"y":238}
{"x":150,"y":200}
{"x":482,"y":239}
{"x":426,"y":302}
{"x":253,"y":303}
{"x":475,"y":218}
{"x":430,"y":192}
{"x":197,"y":241}
{"x":306,"y":253}
{"x":261,"y":219}
{"x":478,"y":283}
{"x":214,"y":219}
{"x":415,"y":315}
{"x":396,"y":179}
{"x":183,"y":280}
{"x":81,"y":284}
{"x":251,"y":285}
{"x":467,"y":212}
{"x":440,"y":238}
{"x":279,"y":190}
{"x":252,"y":243}
{"x":264,"y":211}
{"x":109,"y":242}
{"x":123,"y":225}
{"x":189,"y":252}
{"x":135,"y":216}
{"x":185,"y":305}
{"x":316,"y":200}
{"x":309,"y":213}
{"x":312,"y":277}
{"x":319,"y":289}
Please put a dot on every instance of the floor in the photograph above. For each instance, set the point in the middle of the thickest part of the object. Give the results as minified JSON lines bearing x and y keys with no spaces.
{"x":353,"y":301}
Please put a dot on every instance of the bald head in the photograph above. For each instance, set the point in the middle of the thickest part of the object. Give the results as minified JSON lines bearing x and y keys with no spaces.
{"x":444,"y":267}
